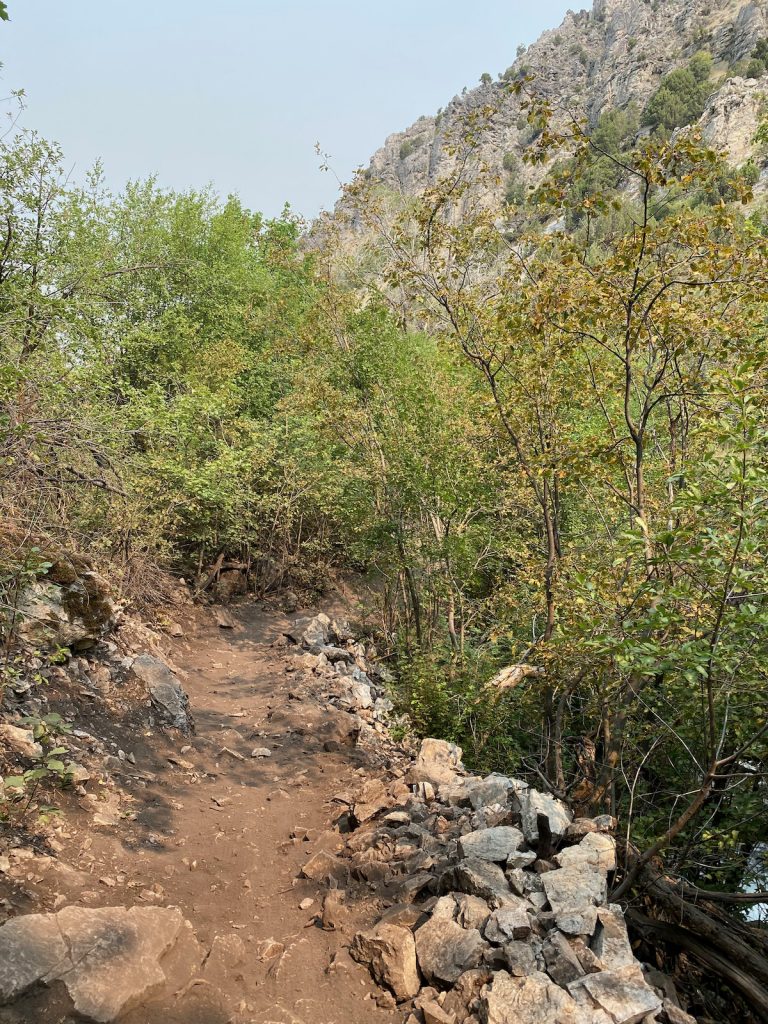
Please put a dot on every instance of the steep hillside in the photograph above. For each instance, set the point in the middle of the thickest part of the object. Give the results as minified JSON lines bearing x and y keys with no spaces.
{"x":610,"y":58}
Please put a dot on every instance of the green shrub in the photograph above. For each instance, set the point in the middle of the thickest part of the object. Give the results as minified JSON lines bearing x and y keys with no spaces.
{"x":407,"y":147}
{"x":510,"y":163}
{"x":681,"y":96}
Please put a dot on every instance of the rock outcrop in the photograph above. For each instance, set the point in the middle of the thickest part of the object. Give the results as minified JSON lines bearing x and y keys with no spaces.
{"x":595,"y":61}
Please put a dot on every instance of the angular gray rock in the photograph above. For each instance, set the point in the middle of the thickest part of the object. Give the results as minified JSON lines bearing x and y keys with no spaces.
{"x":74,"y":614}
{"x":574,"y":889}
{"x":509,"y":922}
{"x":596,"y":850}
{"x":492,"y":844}
{"x":438,"y":763}
{"x":493,"y":789}
{"x":582,"y":826}
{"x":462,"y":1000}
{"x":31,"y":948}
{"x":532,"y":804}
{"x":521,"y":859}
{"x":623,"y":995}
{"x":476,"y":878}
{"x":445,"y":950}
{"x":390,"y":952}
{"x":20,"y":741}
{"x":472,"y":911}
{"x":520,"y":958}
{"x":563,"y":965}
{"x":315,"y":634}
{"x":109,"y":958}
{"x":610,"y":942}
{"x":165,"y":691}
{"x":532,"y":999}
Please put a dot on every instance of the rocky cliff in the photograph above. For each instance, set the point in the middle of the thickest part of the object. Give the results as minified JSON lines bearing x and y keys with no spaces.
{"x":598,"y":61}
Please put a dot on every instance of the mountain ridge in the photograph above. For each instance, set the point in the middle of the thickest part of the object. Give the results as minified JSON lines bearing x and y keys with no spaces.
{"x":597,"y":61}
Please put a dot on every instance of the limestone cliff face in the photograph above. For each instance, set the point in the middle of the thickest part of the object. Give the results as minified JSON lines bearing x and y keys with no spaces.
{"x":596,"y":61}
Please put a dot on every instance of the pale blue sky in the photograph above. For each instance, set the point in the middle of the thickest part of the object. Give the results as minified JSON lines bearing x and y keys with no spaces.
{"x":236,"y":93}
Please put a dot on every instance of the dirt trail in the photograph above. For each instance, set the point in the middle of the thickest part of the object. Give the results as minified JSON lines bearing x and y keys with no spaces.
{"x":212,"y":834}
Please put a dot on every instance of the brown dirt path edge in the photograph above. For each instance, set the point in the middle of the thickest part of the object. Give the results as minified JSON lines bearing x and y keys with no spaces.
{"x":212,"y":836}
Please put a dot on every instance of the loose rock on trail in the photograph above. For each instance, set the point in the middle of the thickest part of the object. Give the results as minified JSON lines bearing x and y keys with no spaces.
{"x":173,"y":890}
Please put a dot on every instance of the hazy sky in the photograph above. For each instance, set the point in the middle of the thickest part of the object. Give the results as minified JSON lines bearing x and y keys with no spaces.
{"x":237,"y":93}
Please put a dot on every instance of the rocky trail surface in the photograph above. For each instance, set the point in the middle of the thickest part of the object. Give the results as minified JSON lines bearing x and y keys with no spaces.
{"x":254,"y":847}
{"x":215,"y":825}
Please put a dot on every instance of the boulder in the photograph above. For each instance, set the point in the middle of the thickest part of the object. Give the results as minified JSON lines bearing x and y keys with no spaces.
{"x":372,"y":798}
{"x":520,"y":859}
{"x":472,"y":911}
{"x":76,"y":613}
{"x":390,"y":952}
{"x":438,"y":763}
{"x":596,"y":850}
{"x":563,"y":965}
{"x":582,"y":826}
{"x":433,"y":1013}
{"x":610,"y":943}
{"x":445,"y":950}
{"x":338,"y":654}
{"x":492,"y":844}
{"x":463,"y":998}
{"x":165,"y":691}
{"x":520,"y":958}
{"x":675,"y":1015}
{"x":109,"y":958}
{"x":493,"y":789}
{"x":577,"y":922}
{"x":508,"y":922}
{"x":358,"y":695}
{"x":315,"y":635}
{"x":532,"y":804}
{"x":476,"y":878}
{"x":21,"y":741}
{"x":324,"y":866}
{"x":572,"y":889}
{"x":532,"y":999}
{"x":31,"y":948}
{"x":623,"y":995}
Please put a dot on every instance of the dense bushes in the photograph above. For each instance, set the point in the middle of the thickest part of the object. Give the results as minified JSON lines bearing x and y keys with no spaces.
{"x":145,"y":359}
{"x":619,"y":372}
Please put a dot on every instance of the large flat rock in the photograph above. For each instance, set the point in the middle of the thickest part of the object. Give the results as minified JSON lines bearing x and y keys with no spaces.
{"x":109,"y":958}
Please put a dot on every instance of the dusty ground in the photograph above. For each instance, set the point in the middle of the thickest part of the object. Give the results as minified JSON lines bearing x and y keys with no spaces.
{"x":222,"y":839}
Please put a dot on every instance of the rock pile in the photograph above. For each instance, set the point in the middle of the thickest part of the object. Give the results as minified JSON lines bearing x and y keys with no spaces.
{"x":349,"y":681}
{"x":494,"y":899}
